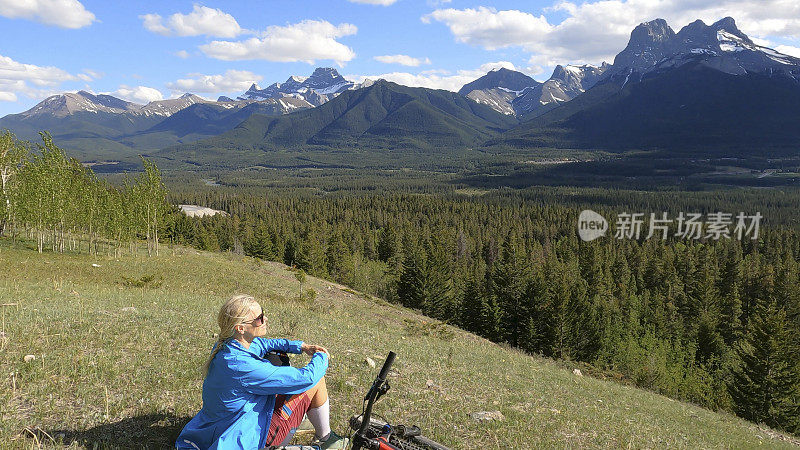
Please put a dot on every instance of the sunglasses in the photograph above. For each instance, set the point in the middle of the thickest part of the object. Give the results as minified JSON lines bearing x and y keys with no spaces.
{"x":259,"y":319}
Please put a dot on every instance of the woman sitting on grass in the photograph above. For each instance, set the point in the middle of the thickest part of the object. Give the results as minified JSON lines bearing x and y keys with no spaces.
{"x":248,"y":403}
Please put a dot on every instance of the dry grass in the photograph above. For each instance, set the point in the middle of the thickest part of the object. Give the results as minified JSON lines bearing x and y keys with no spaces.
{"x":117,"y":364}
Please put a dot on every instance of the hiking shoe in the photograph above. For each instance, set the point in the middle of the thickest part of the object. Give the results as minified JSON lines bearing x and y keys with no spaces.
{"x":334,"y":442}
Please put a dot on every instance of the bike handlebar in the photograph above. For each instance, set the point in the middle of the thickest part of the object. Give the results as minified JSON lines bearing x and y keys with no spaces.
{"x":370,"y":398}
{"x":386,"y":366}
{"x":362,"y":440}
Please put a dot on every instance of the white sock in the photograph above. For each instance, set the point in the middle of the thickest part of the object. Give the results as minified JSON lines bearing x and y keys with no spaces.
{"x":320,"y":417}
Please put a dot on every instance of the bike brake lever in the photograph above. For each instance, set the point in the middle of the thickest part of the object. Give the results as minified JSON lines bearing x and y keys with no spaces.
{"x":382,"y":390}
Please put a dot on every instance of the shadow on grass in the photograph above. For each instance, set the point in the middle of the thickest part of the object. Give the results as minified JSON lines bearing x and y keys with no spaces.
{"x":152,"y":431}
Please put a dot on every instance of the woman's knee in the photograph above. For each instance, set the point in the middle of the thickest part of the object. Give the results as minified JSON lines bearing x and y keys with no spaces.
{"x":319,"y":393}
{"x":320,"y":386}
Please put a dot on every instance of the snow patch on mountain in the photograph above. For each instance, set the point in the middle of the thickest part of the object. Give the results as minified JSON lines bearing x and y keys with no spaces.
{"x":324,"y":84}
{"x":732,"y":43}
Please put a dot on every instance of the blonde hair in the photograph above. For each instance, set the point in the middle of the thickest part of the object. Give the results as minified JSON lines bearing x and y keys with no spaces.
{"x":232,"y":313}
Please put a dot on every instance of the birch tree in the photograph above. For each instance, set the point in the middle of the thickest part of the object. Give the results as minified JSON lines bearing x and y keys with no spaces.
{"x":12,"y":155}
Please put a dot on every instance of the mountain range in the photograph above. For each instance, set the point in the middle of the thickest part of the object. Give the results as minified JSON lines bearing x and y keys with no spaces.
{"x":100,"y":126}
{"x":324,"y":84}
{"x":706,"y":88}
{"x":383,"y":115}
{"x":514,"y":93}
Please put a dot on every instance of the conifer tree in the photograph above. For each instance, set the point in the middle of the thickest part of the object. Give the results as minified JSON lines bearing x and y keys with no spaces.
{"x":425,"y":281}
{"x":387,"y":244}
{"x":472,"y":307}
{"x":411,"y":283}
{"x":508,"y":289}
{"x":765,"y":386}
{"x":260,"y":244}
{"x":730,"y":296}
{"x":338,"y":260}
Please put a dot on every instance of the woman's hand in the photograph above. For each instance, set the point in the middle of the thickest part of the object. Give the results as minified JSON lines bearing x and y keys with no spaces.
{"x":311,"y":349}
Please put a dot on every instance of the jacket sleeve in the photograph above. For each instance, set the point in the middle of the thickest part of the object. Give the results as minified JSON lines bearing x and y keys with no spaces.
{"x":262,"y":378}
{"x":281,"y":345}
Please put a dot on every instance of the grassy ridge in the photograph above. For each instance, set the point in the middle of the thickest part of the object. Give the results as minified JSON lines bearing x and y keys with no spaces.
{"x":119,"y":365}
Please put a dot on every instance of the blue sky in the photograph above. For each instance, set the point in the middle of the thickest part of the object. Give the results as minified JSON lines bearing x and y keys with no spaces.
{"x":147,"y":50}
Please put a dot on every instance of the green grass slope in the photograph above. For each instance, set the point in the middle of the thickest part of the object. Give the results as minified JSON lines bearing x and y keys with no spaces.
{"x":118,"y":366}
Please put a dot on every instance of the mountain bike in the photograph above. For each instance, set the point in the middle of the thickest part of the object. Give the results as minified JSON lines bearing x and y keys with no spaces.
{"x":374,"y":434}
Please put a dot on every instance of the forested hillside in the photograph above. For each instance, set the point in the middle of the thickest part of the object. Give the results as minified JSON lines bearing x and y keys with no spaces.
{"x":714,"y":322}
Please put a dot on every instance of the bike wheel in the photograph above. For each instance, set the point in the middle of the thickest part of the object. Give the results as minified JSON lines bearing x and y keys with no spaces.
{"x":428,"y":443}
{"x":418,"y":442}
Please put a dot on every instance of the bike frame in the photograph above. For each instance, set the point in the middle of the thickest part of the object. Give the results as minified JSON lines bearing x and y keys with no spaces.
{"x":379,"y":387}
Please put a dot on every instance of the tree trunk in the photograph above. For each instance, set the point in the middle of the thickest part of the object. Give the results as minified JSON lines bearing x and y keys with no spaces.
{"x":4,"y":177}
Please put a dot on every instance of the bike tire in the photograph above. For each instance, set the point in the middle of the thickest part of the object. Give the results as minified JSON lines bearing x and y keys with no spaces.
{"x":428,"y":443}
{"x":418,"y":442}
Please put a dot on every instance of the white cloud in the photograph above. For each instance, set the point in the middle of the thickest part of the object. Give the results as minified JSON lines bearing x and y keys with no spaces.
{"x":10,"y":88}
{"x":491,"y":29}
{"x":596,"y":31}
{"x":28,"y":79}
{"x":182,"y":54}
{"x":432,"y":81}
{"x":7,"y":96}
{"x":437,"y":79}
{"x":61,"y":13}
{"x":201,"y":21}
{"x":403,"y":60}
{"x":307,"y":41}
{"x":89,"y":75}
{"x":789,"y":50}
{"x":94,"y":74}
{"x":230,"y":81}
{"x":761,"y":42}
{"x":374,"y":2}
{"x":138,"y":94}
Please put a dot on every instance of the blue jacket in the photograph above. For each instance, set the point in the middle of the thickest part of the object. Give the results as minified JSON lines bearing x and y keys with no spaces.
{"x":239,"y":394}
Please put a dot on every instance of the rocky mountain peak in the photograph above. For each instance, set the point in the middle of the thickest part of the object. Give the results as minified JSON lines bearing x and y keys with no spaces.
{"x":559,"y":71}
{"x":720,"y":46}
{"x":583,"y":76}
{"x":727,"y":23}
{"x":69,"y":103}
{"x":326,"y":80}
{"x":648,"y":44}
{"x":329,"y":72}
{"x":652,"y":32}
{"x":566,"y":83}
{"x":323,"y":84}
{"x":501,"y":78}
